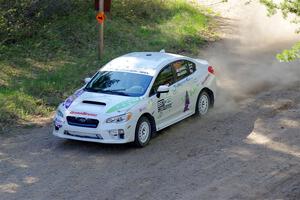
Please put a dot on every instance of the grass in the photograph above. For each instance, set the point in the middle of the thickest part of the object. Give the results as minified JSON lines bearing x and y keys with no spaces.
{"x":36,"y":73}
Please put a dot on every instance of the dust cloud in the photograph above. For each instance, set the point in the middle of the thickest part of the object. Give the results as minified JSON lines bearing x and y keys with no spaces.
{"x":245,"y":58}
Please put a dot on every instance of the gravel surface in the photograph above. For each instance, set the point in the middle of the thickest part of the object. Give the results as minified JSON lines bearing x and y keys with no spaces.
{"x":247,"y":148}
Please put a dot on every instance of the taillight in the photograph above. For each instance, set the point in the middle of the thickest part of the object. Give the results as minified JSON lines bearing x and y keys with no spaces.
{"x":211,"y":70}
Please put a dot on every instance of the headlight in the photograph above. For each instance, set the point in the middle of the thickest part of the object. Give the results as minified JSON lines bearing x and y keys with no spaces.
{"x":119,"y":118}
{"x":59,"y":113}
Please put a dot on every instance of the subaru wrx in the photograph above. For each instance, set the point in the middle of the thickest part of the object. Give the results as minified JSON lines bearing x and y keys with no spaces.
{"x":135,"y":95}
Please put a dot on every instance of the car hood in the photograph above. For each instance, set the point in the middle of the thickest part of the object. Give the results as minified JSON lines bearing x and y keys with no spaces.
{"x":94,"y":104}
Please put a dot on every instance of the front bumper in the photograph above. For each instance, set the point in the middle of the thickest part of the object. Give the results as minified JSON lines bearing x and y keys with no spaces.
{"x":104,"y":133}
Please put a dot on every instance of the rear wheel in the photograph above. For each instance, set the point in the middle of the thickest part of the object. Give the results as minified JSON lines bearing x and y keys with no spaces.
{"x":203,"y":104}
{"x":143,"y":132}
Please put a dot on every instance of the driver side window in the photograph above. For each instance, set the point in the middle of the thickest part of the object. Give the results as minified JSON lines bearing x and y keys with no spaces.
{"x":165,"y":77}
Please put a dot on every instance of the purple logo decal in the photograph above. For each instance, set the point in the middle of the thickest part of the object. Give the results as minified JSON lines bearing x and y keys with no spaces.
{"x":187,"y":102}
{"x":71,"y":98}
{"x":58,"y":123}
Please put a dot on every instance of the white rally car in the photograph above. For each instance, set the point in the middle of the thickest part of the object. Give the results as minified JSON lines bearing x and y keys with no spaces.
{"x":135,"y":95}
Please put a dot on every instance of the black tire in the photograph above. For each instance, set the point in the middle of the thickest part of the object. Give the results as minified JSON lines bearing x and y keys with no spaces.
{"x":142,"y":123}
{"x":206,"y":104}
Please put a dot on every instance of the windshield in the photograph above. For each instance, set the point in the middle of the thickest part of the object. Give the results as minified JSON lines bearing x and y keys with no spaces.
{"x":119,"y":83}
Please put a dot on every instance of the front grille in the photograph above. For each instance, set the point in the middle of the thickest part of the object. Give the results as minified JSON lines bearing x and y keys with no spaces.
{"x":82,"y":122}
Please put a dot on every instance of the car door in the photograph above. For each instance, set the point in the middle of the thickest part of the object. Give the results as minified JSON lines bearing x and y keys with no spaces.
{"x":191,"y":89}
{"x":164,"y":109}
{"x":182,"y":85}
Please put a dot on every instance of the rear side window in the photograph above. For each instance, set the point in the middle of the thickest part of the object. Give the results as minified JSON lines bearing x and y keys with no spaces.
{"x":191,"y":66}
{"x":181,"y":69}
{"x":165,"y":77}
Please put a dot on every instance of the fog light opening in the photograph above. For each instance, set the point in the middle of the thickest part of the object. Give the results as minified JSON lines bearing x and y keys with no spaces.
{"x":121,"y":133}
{"x":117,"y":133}
{"x":56,"y":128}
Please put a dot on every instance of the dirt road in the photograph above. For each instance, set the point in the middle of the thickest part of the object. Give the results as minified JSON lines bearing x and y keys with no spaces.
{"x":248,"y":148}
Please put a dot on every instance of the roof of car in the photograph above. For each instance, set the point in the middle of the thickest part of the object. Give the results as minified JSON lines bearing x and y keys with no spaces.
{"x":140,"y":62}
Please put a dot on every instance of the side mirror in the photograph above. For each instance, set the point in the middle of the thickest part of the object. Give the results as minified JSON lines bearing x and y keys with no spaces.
{"x":87,"y":80}
{"x":162,"y":89}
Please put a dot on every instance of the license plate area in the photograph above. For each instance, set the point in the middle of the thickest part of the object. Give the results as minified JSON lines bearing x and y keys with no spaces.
{"x":83,"y":135}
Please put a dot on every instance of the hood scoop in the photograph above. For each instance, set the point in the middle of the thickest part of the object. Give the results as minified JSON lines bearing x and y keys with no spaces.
{"x":94,"y":103}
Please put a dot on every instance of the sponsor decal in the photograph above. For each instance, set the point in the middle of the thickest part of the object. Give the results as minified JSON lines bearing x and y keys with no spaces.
{"x":150,"y":104}
{"x":187,"y":102}
{"x":68,"y":102}
{"x":133,"y":70}
{"x":181,"y":72}
{"x":71,"y":98}
{"x":124,"y":104}
{"x":164,"y":104}
{"x":206,"y":78}
{"x":138,"y":71}
{"x":58,"y":123}
{"x":83,"y":113}
{"x":193,"y":91}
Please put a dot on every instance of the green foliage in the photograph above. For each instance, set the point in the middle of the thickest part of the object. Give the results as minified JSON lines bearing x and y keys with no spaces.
{"x":289,"y":8}
{"x":48,"y":47}
{"x":291,"y":54}
{"x":24,"y":18}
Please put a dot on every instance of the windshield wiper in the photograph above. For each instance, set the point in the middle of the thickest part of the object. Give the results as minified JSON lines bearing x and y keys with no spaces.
{"x":90,"y":89}
{"x":93,"y":90}
{"x":118,"y":92}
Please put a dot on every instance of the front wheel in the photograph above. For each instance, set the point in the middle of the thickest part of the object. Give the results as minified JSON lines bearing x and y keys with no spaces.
{"x":142,"y":132}
{"x":203,"y":104}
